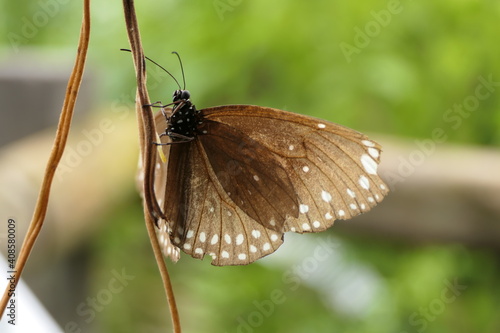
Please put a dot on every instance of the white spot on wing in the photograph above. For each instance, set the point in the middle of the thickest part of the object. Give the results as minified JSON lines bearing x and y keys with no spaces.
{"x":266,"y":246}
{"x":256,"y":233}
{"x":326,"y":196}
{"x":341,"y":212}
{"x":291,"y":147}
{"x":373,"y":152}
{"x":190,"y":234}
{"x":198,"y":250}
{"x":369,"y":164}
{"x":364,"y":182}
{"x":316,"y":224}
{"x":256,"y":178}
{"x":368,"y":143}
{"x":239,"y":239}
{"x":215,"y":239}
{"x":225,"y":254}
{"x":203,"y":237}
{"x":305,"y":168}
{"x":140,"y":177}
{"x":303,"y":208}
{"x":321,"y":125}
{"x":306,"y":226}
{"x":328,"y":216}
{"x":187,"y":246}
{"x":253,"y":249}
{"x":227,"y":238}
{"x":353,"y":206}
{"x":242,"y":256}
{"x":351,"y":193}
{"x":274,"y":237}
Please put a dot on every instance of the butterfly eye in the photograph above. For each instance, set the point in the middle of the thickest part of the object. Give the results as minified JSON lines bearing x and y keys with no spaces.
{"x":176,"y":96}
{"x":185,"y":94}
{"x":180,"y":95}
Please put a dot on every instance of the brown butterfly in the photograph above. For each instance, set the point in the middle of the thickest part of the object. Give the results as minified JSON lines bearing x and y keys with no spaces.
{"x":238,"y":177}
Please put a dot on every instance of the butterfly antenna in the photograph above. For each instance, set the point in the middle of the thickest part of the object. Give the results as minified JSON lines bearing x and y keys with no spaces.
{"x":182,"y":69}
{"x":157,"y":64}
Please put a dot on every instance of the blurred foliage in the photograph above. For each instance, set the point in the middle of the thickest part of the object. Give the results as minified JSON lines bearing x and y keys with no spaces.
{"x":434,"y":288}
{"x":416,"y":61}
{"x":408,"y":73}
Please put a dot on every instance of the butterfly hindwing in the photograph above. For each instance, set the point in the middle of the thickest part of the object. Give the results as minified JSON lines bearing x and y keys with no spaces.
{"x":164,"y":228}
{"x":250,"y":174}
{"x":212,"y":223}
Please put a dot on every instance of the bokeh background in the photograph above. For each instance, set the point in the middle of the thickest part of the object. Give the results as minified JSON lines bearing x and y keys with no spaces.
{"x":421,"y":77}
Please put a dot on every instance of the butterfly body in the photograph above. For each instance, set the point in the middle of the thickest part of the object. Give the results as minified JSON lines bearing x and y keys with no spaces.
{"x":184,"y":120}
{"x":239,"y":176}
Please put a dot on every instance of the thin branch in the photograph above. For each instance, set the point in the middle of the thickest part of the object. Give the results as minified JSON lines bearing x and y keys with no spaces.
{"x":56,"y":153}
{"x":147,"y":132}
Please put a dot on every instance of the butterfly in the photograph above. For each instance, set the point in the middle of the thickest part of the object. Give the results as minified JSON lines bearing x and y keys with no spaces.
{"x":237,"y":177}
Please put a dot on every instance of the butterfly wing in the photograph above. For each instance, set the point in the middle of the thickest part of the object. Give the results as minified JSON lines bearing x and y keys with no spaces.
{"x":333,"y":169}
{"x":163,"y":229}
{"x":203,"y":217}
{"x":250,"y":174}
{"x":257,"y":172}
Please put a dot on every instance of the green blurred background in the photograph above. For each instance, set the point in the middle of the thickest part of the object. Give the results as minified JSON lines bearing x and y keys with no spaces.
{"x":411,"y":63}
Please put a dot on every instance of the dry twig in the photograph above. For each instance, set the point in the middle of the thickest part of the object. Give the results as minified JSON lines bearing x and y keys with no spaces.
{"x":56,"y":153}
{"x":147,"y":132}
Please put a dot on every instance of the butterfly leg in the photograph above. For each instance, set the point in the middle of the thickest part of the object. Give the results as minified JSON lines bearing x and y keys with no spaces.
{"x":160,"y":143}
{"x":182,"y":139}
{"x":157,"y":104}
{"x":165,"y":115}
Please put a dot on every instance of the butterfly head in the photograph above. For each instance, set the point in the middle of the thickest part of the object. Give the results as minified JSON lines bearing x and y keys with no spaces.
{"x":181,"y":95}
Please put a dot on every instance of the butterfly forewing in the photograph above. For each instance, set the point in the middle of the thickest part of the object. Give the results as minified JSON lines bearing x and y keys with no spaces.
{"x":334,"y":185}
{"x":333,"y":169}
